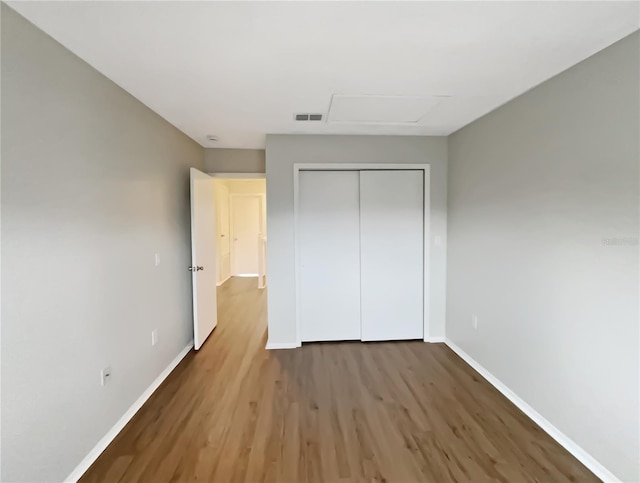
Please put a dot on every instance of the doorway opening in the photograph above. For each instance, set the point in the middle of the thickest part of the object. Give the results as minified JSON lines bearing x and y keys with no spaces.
{"x":241,"y":229}
{"x":228,"y":254}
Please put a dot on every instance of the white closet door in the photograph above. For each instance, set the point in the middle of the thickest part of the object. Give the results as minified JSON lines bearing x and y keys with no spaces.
{"x":329,"y":251}
{"x":392,"y":252}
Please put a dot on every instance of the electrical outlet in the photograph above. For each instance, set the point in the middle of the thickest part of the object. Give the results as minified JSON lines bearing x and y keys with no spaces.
{"x":474,"y":321}
{"x":154,"y":337}
{"x":157,"y":259}
{"x":105,"y":375}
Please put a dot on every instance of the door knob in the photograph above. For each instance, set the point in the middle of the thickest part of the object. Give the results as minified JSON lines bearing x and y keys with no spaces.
{"x":195,"y":269}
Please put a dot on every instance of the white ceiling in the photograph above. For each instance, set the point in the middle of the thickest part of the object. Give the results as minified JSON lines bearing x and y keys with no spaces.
{"x":239,"y":70}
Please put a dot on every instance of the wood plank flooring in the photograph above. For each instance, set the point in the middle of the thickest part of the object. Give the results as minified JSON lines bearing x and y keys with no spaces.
{"x":332,"y":412}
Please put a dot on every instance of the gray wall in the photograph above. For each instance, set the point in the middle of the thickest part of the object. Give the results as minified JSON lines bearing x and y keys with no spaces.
{"x":219,"y":160}
{"x":539,"y":191}
{"x":283,"y":151}
{"x":93,"y":184}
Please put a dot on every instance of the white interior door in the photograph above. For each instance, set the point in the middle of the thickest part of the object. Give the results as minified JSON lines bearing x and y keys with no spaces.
{"x":391,"y":254}
{"x":245,"y":226}
{"x":203,"y":256}
{"x":224,"y":236}
{"x":329,"y":255}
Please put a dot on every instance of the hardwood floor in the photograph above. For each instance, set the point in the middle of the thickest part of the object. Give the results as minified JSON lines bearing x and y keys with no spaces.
{"x":401,"y":411}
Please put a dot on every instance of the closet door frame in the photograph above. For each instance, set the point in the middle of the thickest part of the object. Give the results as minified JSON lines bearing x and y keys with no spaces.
{"x":425,"y":168}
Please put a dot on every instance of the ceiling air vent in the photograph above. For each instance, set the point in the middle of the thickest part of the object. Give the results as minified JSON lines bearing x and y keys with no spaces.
{"x":308,"y":117}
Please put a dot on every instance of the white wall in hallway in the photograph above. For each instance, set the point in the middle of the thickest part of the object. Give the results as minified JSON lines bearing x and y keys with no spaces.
{"x":253,"y":186}
{"x":223,"y":230}
{"x":234,"y":187}
{"x":94,"y":184}
{"x":249,"y":186}
{"x":246,"y":229}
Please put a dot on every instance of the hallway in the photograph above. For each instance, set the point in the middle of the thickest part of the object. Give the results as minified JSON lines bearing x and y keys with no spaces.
{"x":406,"y":411}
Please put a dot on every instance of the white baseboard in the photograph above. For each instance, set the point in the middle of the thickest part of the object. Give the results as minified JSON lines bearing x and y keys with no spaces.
{"x":222,"y":282}
{"x":281,"y":345}
{"x":113,"y":432}
{"x":571,"y":446}
{"x":435,"y":339}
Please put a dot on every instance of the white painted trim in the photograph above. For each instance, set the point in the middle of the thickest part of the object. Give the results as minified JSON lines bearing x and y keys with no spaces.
{"x":426,"y":256}
{"x":282,"y":345}
{"x":356,"y":166}
{"x":97,"y":450}
{"x":239,"y":175}
{"x":567,"y":443}
{"x":435,"y":340}
{"x":223,"y":281}
{"x":296,"y":250}
{"x":426,"y":168}
{"x":247,"y":195}
{"x":262,"y":261}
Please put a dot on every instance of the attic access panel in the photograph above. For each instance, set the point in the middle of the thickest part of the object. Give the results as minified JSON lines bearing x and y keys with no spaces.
{"x":367,"y":109}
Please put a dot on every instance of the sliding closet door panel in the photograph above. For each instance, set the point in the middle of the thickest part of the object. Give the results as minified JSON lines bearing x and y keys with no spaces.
{"x":392,"y":252}
{"x":329,"y":254}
